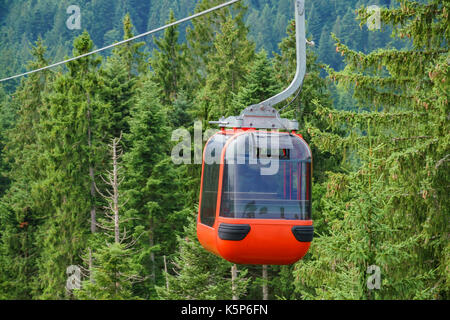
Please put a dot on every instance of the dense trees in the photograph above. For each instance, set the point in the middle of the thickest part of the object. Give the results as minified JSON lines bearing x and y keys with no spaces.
{"x":267,"y":20}
{"x":377,"y":125}
{"x":389,"y":211}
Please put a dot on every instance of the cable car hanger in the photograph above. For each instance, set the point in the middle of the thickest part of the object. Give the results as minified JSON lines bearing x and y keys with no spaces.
{"x":263,"y":115}
{"x":251,"y":213}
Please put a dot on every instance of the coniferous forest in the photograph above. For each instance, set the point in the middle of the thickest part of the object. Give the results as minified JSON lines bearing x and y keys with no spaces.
{"x":93,"y":207}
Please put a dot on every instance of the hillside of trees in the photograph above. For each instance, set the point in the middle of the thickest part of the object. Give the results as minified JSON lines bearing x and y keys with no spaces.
{"x":22,"y":22}
{"x":88,"y":188}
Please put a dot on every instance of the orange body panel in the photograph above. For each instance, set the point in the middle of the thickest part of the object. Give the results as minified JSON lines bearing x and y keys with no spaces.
{"x":269,"y":242}
{"x":207,"y":237}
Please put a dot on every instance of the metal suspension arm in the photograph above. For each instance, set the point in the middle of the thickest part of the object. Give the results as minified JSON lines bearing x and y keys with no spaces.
{"x":301,"y":58}
{"x":263,"y":115}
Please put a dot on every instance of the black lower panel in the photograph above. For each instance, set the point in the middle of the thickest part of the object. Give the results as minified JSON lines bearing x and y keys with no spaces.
{"x":233,"y":232}
{"x":303,"y":233}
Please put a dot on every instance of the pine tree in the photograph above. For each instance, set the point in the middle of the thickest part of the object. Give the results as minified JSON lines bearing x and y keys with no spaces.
{"x":120,"y":78}
{"x":205,"y":29}
{"x":259,"y":84}
{"x":315,"y":24}
{"x":72,"y":133}
{"x":200,"y":275}
{"x":169,"y":64}
{"x":20,"y":217}
{"x":180,"y":113}
{"x":112,"y":266}
{"x":226,"y":69}
{"x":388,"y":211}
{"x":7,"y":120}
{"x":150,"y":181}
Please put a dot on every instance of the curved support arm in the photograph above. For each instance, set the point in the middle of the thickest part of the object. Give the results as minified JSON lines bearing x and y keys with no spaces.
{"x":301,"y":58}
{"x":263,"y":115}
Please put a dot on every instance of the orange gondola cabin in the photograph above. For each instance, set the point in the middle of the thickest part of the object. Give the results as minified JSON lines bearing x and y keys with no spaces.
{"x":255,"y":193}
{"x":255,"y":196}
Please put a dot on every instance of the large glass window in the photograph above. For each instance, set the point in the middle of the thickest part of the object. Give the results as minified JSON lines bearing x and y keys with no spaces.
{"x":211,"y":172}
{"x":285,"y":193}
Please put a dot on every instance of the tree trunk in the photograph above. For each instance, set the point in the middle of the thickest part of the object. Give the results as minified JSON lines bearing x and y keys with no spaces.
{"x":165,"y":272}
{"x":115,"y":193}
{"x":265,"y":288}
{"x":152,"y":254}
{"x":91,"y":169}
{"x":91,"y":274}
{"x":233,"y":281}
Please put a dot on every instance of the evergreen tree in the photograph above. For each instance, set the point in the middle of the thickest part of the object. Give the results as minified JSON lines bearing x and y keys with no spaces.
{"x":200,"y":275}
{"x":20,"y":217}
{"x":169,"y":64}
{"x":203,"y":33}
{"x":120,"y":77}
{"x":150,"y":175}
{"x":180,"y":113}
{"x":227,"y":67}
{"x":326,"y":47}
{"x":259,"y":84}
{"x":389,"y":210}
{"x":380,"y":180}
{"x":7,"y":119}
{"x":315,"y":24}
{"x":112,"y":267}
{"x":113,"y":275}
{"x":73,"y":127}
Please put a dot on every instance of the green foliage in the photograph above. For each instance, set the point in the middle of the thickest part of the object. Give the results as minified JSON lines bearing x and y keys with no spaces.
{"x":152,"y":181}
{"x":389,"y":210}
{"x":120,"y":78}
{"x":7,"y":119}
{"x":72,"y":131}
{"x":226,"y":68}
{"x":260,"y":84}
{"x":377,"y":127}
{"x":169,"y":64}
{"x":200,"y":275}
{"x":18,"y":210}
{"x":205,"y":29}
{"x":112,"y":278}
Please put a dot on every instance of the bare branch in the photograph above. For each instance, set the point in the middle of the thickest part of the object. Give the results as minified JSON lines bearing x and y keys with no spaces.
{"x":441,"y":162}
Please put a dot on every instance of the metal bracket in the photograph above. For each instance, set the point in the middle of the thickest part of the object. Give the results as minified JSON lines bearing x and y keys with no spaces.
{"x":258,"y":117}
{"x":263,"y":115}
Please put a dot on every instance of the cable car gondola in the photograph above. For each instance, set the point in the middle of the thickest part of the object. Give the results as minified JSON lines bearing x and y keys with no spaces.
{"x":255,"y":194}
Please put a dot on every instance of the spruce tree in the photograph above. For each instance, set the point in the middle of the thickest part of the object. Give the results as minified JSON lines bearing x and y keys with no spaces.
{"x":169,"y":64}
{"x":151,"y":182}
{"x":198,"y":274}
{"x":259,"y":83}
{"x":20,"y":216}
{"x":7,"y":120}
{"x":120,"y":76}
{"x":226,"y":69}
{"x":112,"y":264}
{"x":205,"y":29}
{"x":73,"y":128}
{"x":388,"y":211}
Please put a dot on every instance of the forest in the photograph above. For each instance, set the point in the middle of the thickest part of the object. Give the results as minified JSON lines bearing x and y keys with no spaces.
{"x":93,"y":207}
